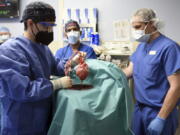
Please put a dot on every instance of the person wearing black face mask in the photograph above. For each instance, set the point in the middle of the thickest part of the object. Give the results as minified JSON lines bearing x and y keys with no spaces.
{"x":39,"y":24}
{"x":44,"y":37}
{"x":26,"y":65}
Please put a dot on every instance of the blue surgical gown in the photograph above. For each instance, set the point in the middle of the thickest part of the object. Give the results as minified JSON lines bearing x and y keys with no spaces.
{"x":152,"y":64}
{"x":25,"y":89}
{"x":63,"y":54}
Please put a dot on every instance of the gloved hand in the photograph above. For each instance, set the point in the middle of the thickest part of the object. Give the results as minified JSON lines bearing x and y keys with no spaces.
{"x":76,"y":59}
{"x":156,"y":126}
{"x":63,"y":82}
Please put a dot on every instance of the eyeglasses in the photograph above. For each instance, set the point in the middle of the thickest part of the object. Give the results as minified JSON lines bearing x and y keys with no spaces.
{"x":46,"y":24}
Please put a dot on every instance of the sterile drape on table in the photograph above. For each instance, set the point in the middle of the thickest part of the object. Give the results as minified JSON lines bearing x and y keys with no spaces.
{"x":105,"y":109}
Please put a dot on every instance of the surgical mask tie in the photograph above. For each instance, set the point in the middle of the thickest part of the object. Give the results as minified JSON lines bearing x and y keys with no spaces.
{"x":73,"y":37}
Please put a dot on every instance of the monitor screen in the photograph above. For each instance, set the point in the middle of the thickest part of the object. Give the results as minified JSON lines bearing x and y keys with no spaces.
{"x":9,"y":9}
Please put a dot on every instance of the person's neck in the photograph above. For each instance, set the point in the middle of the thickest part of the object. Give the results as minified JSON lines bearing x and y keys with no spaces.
{"x":75,"y":47}
{"x":29,"y":36}
{"x":154,"y":36}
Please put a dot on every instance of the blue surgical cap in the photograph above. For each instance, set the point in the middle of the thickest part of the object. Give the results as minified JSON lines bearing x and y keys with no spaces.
{"x":4,"y":29}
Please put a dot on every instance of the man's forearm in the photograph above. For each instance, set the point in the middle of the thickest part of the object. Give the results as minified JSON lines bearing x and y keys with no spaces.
{"x":170,"y":102}
{"x":129,"y":70}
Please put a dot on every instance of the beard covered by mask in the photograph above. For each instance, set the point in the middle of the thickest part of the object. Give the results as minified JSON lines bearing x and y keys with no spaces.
{"x":73,"y":37}
{"x":43,"y":37}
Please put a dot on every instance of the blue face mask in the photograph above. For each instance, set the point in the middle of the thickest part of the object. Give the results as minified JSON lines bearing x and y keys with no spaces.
{"x":73,"y":37}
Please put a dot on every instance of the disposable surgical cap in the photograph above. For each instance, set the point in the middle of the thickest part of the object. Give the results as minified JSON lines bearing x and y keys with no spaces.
{"x":71,"y":23}
{"x":38,"y":12}
{"x":4,"y":29}
{"x":147,"y":15}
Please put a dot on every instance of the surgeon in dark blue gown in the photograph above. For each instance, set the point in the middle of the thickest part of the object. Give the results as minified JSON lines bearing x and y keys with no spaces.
{"x":26,"y":65}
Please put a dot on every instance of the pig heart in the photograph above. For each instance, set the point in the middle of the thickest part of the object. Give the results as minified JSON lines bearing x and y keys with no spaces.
{"x":82,"y":71}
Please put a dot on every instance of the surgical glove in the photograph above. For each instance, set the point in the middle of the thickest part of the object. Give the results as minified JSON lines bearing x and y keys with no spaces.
{"x":63,"y":82}
{"x":156,"y":126}
{"x":76,"y":58}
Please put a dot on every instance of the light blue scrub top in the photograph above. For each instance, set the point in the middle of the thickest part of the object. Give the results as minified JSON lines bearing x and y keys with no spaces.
{"x":152,"y":64}
{"x":25,"y":88}
{"x":63,"y":54}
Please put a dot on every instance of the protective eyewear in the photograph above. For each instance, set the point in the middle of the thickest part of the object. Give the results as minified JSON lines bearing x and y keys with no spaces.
{"x":46,"y":24}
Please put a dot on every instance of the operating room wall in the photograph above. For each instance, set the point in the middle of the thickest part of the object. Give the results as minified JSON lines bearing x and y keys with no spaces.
{"x":16,"y":27}
{"x":111,"y":10}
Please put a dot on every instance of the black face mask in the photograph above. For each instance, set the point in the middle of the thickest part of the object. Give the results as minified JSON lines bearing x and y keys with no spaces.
{"x":44,"y":37}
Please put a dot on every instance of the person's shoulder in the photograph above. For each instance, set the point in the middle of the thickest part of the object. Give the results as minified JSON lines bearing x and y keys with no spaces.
{"x":10,"y":43}
{"x":15,"y":41}
{"x":168,"y":42}
{"x":171,"y":45}
{"x":12,"y":47}
{"x":63,"y":48}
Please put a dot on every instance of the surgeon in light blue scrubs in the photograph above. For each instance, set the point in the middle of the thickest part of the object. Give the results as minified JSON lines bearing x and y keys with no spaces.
{"x":155,"y":67}
{"x":26,"y":65}
{"x":72,"y":32}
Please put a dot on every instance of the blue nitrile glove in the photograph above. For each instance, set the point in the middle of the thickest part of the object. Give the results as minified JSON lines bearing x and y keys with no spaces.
{"x":156,"y":126}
